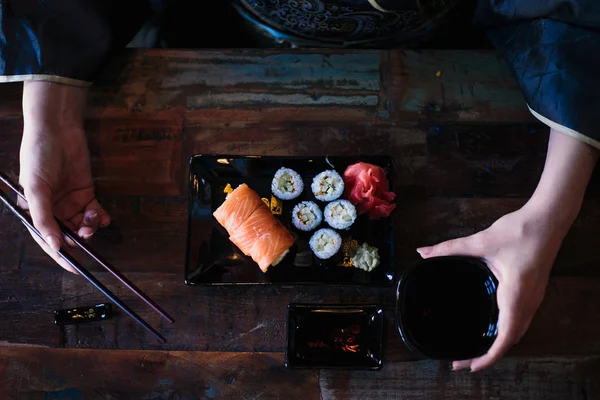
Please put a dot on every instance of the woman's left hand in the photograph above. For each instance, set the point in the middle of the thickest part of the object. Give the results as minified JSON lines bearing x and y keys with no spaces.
{"x":519,"y":249}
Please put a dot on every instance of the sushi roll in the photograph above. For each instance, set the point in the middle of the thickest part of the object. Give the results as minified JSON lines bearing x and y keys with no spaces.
{"x":287,"y":184}
{"x":340,"y":214}
{"x":325,"y":243}
{"x":306,"y":216}
{"x":328,"y":185}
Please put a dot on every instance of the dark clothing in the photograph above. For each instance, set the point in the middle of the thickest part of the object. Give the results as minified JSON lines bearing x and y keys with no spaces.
{"x":555,"y":59}
{"x":552,"y":46}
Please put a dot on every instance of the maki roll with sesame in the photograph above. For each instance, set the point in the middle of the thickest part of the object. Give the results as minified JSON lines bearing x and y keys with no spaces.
{"x":325,"y":243}
{"x":328,"y":185}
{"x":340,"y":214}
{"x":306,"y":216}
{"x":287,"y":184}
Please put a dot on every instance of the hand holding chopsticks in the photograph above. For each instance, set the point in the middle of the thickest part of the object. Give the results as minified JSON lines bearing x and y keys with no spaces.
{"x":26,"y":220}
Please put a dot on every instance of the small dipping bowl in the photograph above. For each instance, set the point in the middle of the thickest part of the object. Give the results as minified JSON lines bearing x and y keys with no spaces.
{"x":446,"y":308}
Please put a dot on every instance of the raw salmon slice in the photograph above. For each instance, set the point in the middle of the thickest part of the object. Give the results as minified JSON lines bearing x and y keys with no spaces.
{"x":256,"y":225}
{"x":237,"y":207}
{"x":270,"y":248}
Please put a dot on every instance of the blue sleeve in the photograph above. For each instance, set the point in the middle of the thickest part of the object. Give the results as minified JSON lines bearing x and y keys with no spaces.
{"x":60,"y":40}
{"x":553,"y":49}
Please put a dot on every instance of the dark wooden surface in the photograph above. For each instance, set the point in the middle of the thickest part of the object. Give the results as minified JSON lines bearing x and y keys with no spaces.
{"x":38,"y":373}
{"x":466,"y":150}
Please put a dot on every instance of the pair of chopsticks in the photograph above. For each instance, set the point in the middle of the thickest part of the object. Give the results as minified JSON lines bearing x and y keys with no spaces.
{"x":26,"y":220}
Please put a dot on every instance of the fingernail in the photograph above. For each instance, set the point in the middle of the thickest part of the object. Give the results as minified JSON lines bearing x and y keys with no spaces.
{"x":424,"y":251}
{"x":53,"y":242}
{"x":91,"y":217}
{"x":86,"y":237}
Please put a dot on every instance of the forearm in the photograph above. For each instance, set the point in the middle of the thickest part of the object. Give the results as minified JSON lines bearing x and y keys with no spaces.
{"x":559,"y":194}
{"x":53,"y":105}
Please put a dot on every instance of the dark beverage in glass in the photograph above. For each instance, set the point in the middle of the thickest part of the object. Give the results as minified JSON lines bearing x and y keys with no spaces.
{"x":446,"y":308}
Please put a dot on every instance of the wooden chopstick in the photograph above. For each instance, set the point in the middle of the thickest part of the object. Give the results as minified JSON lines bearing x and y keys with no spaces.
{"x":26,"y":220}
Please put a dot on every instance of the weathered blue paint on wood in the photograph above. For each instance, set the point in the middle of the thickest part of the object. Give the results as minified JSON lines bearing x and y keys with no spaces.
{"x":245,"y":99}
{"x":65,"y":394}
{"x":337,"y":72}
{"x":455,"y":86}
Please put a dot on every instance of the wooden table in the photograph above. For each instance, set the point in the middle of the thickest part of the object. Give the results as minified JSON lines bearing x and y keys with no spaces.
{"x":467,"y":152}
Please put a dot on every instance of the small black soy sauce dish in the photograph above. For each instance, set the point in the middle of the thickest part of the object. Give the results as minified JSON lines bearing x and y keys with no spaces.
{"x":335,"y":336}
{"x":446,"y":308}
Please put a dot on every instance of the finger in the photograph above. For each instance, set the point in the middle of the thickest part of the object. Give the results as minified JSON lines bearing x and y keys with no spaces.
{"x":39,"y":199}
{"x":103,"y":217}
{"x":508,"y":330}
{"x":55,"y":256}
{"x":463,"y":246}
{"x":70,"y":242}
{"x":462,"y":364}
{"x":89,"y":224}
{"x":67,"y":239}
{"x":22,"y":203}
{"x":94,"y":217}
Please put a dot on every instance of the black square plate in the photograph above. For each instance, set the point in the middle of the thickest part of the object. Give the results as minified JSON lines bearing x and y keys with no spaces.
{"x":211,"y":257}
{"x":335,"y":336}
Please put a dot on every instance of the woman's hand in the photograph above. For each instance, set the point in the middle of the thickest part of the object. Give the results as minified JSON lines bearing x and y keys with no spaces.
{"x":520,"y":248}
{"x":55,"y":165}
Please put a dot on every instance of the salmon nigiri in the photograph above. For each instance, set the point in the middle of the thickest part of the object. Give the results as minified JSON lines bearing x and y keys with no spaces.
{"x":253,"y":228}
{"x":238,"y":206}
{"x":256,"y":225}
{"x":272,"y":247}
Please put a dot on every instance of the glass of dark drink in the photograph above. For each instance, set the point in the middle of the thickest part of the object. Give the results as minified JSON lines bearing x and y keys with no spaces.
{"x":446,"y":308}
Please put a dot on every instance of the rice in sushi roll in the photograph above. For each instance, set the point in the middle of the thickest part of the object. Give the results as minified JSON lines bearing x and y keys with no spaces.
{"x":328,"y":185}
{"x":287,"y":184}
{"x":325,"y":243}
{"x":340,"y":214}
{"x":306,"y":216}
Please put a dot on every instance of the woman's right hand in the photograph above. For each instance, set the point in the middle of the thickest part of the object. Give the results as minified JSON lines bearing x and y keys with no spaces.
{"x":55,"y":168}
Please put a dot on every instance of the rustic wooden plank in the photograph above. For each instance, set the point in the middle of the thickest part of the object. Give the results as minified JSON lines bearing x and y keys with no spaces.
{"x":10,"y":240}
{"x":27,"y":291}
{"x":253,"y":319}
{"x":151,"y":157}
{"x":450,"y":160}
{"x":426,"y":221}
{"x":512,"y":378}
{"x":39,"y":373}
{"x":296,"y":137}
{"x":137,"y":155}
{"x":160,"y":79}
{"x":454,"y":86}
{"x":472,"y":86}
{"x":146,"y":234}
{"x":462,"y":160}
{"x":11,"y":132}
{"x":207,"y":318}
{"x":477,"y":160}
{"x":33,"y":373}
{"x":10,"y":106}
